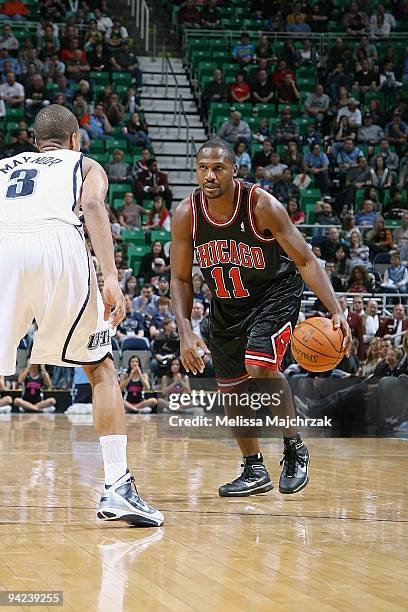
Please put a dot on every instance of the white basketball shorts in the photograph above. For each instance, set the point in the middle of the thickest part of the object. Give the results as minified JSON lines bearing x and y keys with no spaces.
{"x":47,"y":274}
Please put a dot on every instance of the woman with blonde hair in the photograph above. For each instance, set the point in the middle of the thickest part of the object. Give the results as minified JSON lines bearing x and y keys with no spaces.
{"x":373,"y":357}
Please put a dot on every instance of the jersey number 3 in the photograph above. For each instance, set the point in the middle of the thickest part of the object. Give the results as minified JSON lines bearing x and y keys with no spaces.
{"x":21,"y":183}
{"x":220,"y":288}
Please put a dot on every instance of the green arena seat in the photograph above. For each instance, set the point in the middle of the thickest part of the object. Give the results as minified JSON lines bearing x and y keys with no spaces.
{"x":160,"y":235}
{"x":134,"y":236}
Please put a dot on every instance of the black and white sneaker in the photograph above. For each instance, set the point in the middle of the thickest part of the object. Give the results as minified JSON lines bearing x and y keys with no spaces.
{"x":294,"y":476}
{"x":253,"y":480}
{"x":122,"y":502}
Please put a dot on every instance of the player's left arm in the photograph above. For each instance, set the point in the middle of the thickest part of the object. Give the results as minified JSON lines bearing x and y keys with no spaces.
{"x":271,"y":215}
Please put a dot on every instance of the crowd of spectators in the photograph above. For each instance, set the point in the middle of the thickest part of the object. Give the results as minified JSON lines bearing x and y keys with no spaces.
{"x":357,"y":162}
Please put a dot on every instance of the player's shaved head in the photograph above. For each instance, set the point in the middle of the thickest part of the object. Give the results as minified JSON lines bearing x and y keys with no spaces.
{"x":55,"y":124}
{"x":217,"y":144}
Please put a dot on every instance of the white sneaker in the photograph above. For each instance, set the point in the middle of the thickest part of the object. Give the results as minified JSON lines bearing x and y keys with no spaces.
{"x":6,"y":409}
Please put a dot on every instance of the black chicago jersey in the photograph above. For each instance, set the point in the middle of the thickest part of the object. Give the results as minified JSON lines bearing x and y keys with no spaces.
{"x":256,"y":287}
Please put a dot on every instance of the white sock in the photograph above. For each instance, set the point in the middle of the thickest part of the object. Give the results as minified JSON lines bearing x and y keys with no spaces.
{"x":114,"y":457}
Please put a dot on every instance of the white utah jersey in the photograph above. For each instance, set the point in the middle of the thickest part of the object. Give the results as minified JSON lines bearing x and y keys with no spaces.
{"x":38,"y":187}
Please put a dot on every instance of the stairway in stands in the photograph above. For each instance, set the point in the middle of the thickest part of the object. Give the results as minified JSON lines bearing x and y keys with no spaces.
{"x":169,"y":146}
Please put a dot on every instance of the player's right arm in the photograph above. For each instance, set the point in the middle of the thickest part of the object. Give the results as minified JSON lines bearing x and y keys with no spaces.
{"x":94,"y":189}
{"x":181,"y":287}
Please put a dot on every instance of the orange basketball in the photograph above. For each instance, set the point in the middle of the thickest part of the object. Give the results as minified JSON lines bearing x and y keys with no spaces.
{"x":316,"y":346}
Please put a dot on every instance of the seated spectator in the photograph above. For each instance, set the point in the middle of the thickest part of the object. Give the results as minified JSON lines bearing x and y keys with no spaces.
{"x":235,"y":129}
{"x":189,"y":15}
{"x":332,"y":243}
{"x":287,"y":129}
{"x":284,"y":189}
{"x":360,"y":281}
{"x":287,"y":93}
{"x":356,"y":26}
{"x":34,"y":379}
{"x":114,"y":110}
{"x":381,"y":178}
{"x":295,"y":215}
{"x":136,"y":131}
{"x":174,"y":383}
{"x":242,"y":155}
{"x":239,"y":90}
{"x":132,"y":326}
{"x":69,"y":53}
{"x":99,"y":58}
{"x":379,"y":239}
{"x":262,"y":91}
{"x":141,"y":164}
{"x":98,"y":125}
{"x":253,"y":73}
{"x":211,"y":16}
{"x":312,"y":135}
{"x":359,"y":252}
{"x":342,"y":265}
{"x":23,"y":143}
{"x":12,"y":92}
{"x":64,"y":87}
{"x":307,"y":55}
{"x":347,"y":157}
{"x":336,"y":80}
{"x":244,"y":51}
{"x":395,"y":276}
{"x":395,"y":326}
{"x":158,"y":272}
{"x":340,"y":133}
{"x":299,"y":26}
{"x":288,"y":54}
{"x":151,"y":183}
{"x":357,"y":177}
{"x":278,"y":77}
{"x":324,"y":214}
{"x":396,"y":132}
{"x":352,"y":113}
{"x":369,"y":133}
{"x":316,"y":163}
{"x":117,"y":170}
{"x":77,"y":68}
{"x":402,"y":181}
{"x":14,"y":10}
{"x":262,"y":180}
{"x":163,"y":307}
{"x":133,"y":384}
{"x":147,"y":259}
{"x":117,"y":35}
{"x":274,"y":171}
{"x":198,"y":282}
{"x":371,"y":325}
{"x":390,"y":158}
{"x":53,"y":68}
{"x":159,"y":216}
{"x":389,"y":83}
{"x":369,"y":49}
{"x":124,"y":60}
{"x":367,"y":215}
{"x":146,"y":302}
{"x":92,"y":36}
{"x":380,"y":28}
{"x":318,"y":20}
{"x":401,"y":237}
{"x":366,"y":79}
{"x":263,"y":132}
{"x":214,"y":91}
{"x":8,"y":40}
{"x":380,"y":12}
{"x":263,"y":157}
{"x":263,"y":50}
{"x":165,"y":347}
{"x":131,"y":101}
{"x":36,"y":95}
{"x":292,"y":158}
{"x":336,"y":282}
{"x":103,"y":20}
{"x":131,"y":287}
{"x":317,"y":104}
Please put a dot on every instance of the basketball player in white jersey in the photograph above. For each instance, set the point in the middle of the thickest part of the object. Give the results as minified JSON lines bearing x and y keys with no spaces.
{"x":46,"y":273}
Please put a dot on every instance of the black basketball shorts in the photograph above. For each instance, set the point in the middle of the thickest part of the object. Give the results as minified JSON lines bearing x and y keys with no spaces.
{"x":260,"y":337}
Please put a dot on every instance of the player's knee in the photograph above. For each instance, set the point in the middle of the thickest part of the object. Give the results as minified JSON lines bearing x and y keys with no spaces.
{"x":104,"y":370}
{"x":256,"y":371}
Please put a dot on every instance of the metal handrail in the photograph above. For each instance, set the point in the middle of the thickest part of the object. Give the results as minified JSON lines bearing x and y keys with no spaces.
{"x":166,"y":65}
{"x":140,"y":11}
{"x":383,"y":297}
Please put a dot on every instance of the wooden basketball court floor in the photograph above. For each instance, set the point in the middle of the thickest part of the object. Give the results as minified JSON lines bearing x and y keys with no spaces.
{"x":341,"y":544}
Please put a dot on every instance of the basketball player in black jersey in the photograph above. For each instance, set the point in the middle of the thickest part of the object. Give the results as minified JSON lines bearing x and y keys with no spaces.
{"x":253,"y":259}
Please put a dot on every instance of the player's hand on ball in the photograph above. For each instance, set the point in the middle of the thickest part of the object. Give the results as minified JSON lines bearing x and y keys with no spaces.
{"x":339,"y":320}
{"x":113,"y":296}
{"x":190,"y":358}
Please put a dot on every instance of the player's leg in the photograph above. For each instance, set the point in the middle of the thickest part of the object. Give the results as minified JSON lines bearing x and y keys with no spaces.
{"x":120,"y":499}
{"x":269,"y":336}
{"x":228,"y":358}
{"x":146,"y":404}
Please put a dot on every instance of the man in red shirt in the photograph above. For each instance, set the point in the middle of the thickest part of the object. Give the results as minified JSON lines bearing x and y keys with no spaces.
{"x":279,"y":75}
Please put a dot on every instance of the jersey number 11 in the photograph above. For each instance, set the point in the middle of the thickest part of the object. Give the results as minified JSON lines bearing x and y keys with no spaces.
{"x":235,"y":275}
